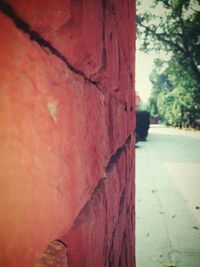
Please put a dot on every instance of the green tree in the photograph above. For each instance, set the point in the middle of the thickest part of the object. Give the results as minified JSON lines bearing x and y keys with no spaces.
{"x":175,"y":95}
{"x":176,"y":82}
{"x":177,"y":31}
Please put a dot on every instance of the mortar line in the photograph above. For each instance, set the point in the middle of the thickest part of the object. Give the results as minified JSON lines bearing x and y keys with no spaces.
{"x":25,"y":27}
{"x":115,"y":156}
{"x":101,"y":182}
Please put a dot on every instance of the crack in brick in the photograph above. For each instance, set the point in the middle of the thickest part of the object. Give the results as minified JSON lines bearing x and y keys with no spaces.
{"x":121,"y":207}
{"x":25,"y":27}
{"x":63,"y":243}
{"x":83,"y":215}
{"x":121,"y":254}
{"x":98,"y":195}
{"x":115,"y":157}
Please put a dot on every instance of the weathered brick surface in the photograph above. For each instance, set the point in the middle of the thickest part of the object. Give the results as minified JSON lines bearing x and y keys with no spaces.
{"x":67,"y":132}
{"x":77,"y":35}
{"x":102,"y":233}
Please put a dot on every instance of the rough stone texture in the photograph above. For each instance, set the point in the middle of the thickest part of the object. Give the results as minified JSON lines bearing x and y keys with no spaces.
{"x":67,"y":133}
{"x":54,"y":256}
{"x":102,"y":232}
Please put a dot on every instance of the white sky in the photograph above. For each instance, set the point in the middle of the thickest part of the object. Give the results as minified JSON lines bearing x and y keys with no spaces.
{"x":144,"y":66}
{"x":144,"y":62}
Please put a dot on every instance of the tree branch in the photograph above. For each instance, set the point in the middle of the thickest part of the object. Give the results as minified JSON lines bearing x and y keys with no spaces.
{"x":161,"y":37}
{"x":183,"y":50}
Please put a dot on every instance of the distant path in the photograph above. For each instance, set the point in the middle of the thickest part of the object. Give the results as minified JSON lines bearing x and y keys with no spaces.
{"x":168,"y":199}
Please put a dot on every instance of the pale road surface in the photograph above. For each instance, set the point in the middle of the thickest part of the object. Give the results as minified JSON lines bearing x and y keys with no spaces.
{"x":168,"y":199}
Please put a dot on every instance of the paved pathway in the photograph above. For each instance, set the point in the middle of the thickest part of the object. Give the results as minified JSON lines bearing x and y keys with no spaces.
{"x":168,"y":199}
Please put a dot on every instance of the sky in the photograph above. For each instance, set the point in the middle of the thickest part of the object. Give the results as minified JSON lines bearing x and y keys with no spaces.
{"x":144,"y":66}
{"x":144,"y":62}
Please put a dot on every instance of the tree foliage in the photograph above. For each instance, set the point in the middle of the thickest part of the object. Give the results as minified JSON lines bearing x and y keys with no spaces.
{"x":176,"y":82}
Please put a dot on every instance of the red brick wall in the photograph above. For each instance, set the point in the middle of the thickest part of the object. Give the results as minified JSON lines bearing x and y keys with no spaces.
{"x":67,"y":131}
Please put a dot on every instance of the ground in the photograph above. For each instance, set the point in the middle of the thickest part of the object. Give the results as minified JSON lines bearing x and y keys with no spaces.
{"x":168,"y":199}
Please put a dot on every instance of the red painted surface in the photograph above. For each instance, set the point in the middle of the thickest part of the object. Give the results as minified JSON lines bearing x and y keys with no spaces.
{"x":137,"y":100}
{"x":65,"y":110}
{"x":102,"y":234}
